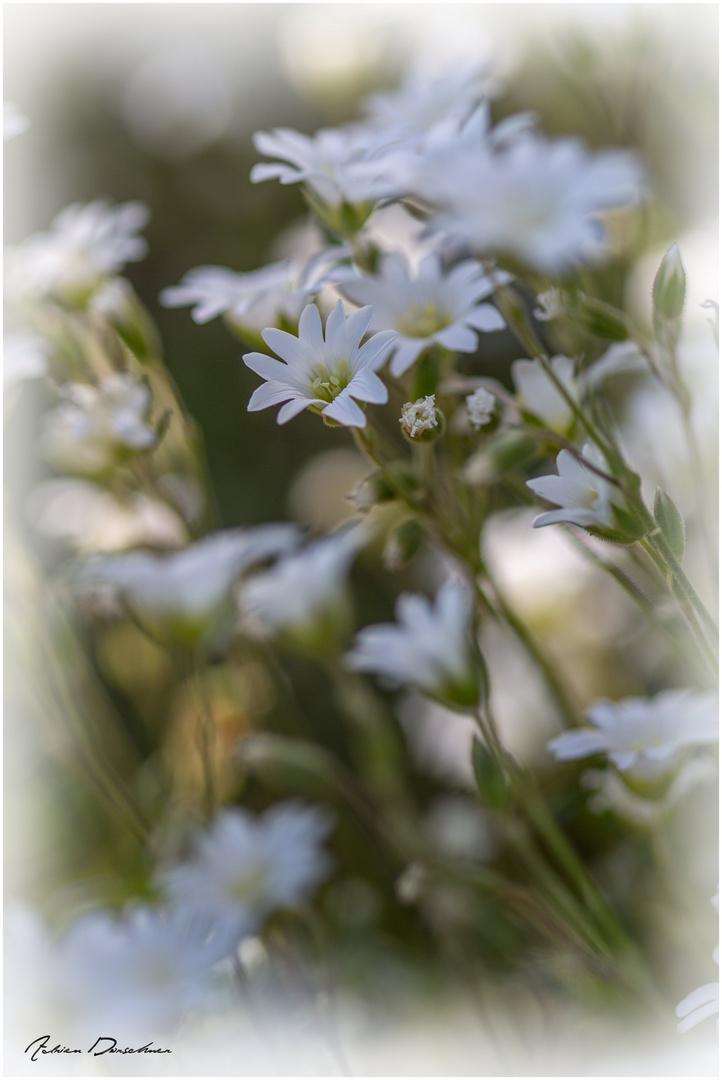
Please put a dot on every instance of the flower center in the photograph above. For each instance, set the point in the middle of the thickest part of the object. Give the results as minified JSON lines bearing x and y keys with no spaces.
{"x":251,"y":887}
{"x":422,"y":320}
{"x":326,"y":384}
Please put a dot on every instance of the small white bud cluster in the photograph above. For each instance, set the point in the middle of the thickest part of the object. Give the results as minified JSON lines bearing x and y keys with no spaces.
{"x":480,"y":407}
{"x":419,"y":416}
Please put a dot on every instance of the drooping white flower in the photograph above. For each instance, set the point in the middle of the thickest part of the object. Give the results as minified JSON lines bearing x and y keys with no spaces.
{"x":84,"y":245}
{"x":14,"y":122}
{"x":337,"y":164}
{"x":538,"y":394}
{"x":245,"y":868}
{"x":303,"y":597}
{"x":331,"y":373}
{"x":419,"y":417}
{"x":535,"y":199}
{"x":431,"y":306}
{"x":480,"y":407}
{"x":644,"y":735}
{"x":429,"y":647}
{"x":186,"y":598}
{"x":142,"y":972}
{"x":97,"y":427}
{"x":255,"y":300}
{"x":585,"y":498}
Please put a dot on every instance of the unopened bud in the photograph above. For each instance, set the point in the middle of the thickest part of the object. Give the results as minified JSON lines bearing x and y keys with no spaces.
{"x":403,"y":544}
{"x":491,"y":779}
{"x":670,"y":521}
{"x":670,"y":286}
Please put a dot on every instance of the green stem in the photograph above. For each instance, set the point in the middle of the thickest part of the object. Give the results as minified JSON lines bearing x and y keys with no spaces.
{"x":553,"y":683}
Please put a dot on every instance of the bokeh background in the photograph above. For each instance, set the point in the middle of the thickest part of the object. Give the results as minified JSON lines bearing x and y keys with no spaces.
{"x":158,"y":103}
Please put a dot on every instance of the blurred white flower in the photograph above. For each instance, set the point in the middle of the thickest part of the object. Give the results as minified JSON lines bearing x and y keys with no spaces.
{"x":25,"y":356}
{"x":423,"y":100}
{"x":84,"y":245}
{"x":186,"y":598}
{"x":531,"y":198}
{"x":585,"y":497}
{"x":337,"y":164}
{"x":98,"y":427}
{"x":304,"y":597}
{"x":623,"y":356}
{"x":245,"y":868}
{"x":418,"y":417}
{"x":142,"y":972}
{"x":701,"y":1003}
{"x":326,"y":373}
{"x":92,"y":519}
{"x":14,"y":122}
{"x":255,"y":300}
{"x":644,"y":735}
{"x":431,"y":306}
{"x":480,"y":407}
{"x":537,"y":394}
{"x":429,"y":647}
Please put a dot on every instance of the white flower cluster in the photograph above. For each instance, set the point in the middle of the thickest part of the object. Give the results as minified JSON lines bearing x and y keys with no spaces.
{"x":97,"y":427}
{"x":140,"y":973}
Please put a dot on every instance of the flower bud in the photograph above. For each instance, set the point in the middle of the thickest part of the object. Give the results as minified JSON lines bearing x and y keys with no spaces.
{"x":421,"y":421}
{"x":670,"y":521}
{"x":403,"y":544}
{"x":491,"y":779}
{"x":670,"y":286}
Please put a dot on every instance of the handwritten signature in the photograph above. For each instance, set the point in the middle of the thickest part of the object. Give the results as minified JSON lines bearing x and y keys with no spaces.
{"x":103,"y":1045}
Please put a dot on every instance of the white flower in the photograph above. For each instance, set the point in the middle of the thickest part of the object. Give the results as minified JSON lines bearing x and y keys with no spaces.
{"x":429,"y":307}
{"x":644,"y":735}
{"x":702,"y":1002}
{"x":303,"y":596}
{"x":92,"y":519}
{"x":539,"y":395}
{"x":424,"y":100}
{"x":97,"y":427}
{"x":83,"y":246}
{"x":419,"y":416}
{"x":14,"y":122}
{"x":585,"y":497}
{"x":141,"y":972}
{"x":480,"y":407}
{"x":429,"y":648}
{"x":537,"y":200}
{"x":326,"y":373}
{"x":246,"y":867}
{"x":25,"y":356}
{"x":336,"y":163}
{"x":186,"y":598}
{"x":254,"y":300}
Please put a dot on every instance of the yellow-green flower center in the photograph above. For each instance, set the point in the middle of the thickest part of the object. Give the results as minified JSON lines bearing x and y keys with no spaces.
{"x":326,"y":384}
{"x":251,"y":887}
{"x":422,"y":320}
